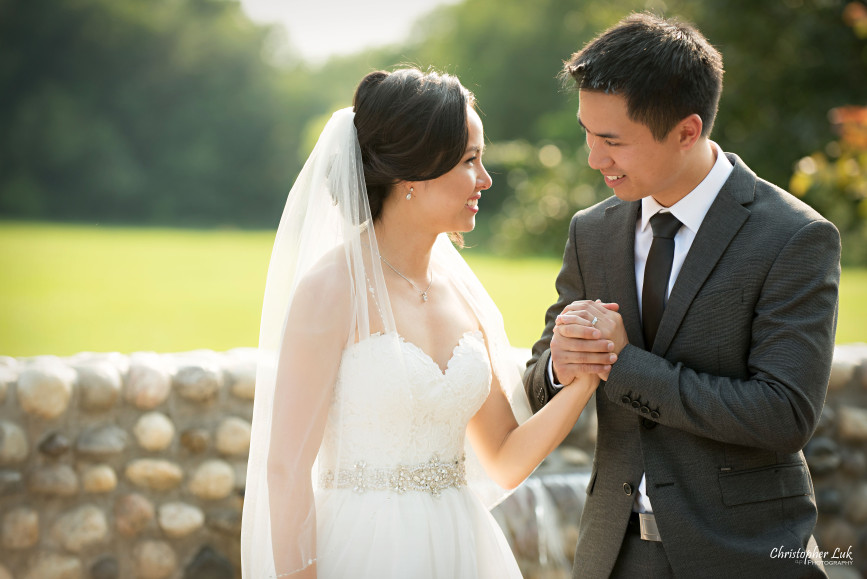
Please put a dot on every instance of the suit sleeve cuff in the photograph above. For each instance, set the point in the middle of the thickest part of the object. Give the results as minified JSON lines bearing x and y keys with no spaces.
{"x":550,"y":376}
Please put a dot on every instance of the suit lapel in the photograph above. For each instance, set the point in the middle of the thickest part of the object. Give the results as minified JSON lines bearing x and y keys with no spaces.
{"x":619,"y":228}
{"x":724,"y":219}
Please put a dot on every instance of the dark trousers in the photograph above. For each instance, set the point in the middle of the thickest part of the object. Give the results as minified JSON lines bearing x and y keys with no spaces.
{"x":639,"y":558}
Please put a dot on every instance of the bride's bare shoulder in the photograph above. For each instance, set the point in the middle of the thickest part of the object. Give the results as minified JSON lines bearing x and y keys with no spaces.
{"x":325,"y":291}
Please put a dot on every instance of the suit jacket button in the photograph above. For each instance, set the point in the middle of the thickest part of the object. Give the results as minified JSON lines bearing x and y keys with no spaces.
{"x":654,"y":414}
{"x":627,"y":488}
{"x":645,"y":409}
{"x":636,"y":404}
{"x":625,"y":399}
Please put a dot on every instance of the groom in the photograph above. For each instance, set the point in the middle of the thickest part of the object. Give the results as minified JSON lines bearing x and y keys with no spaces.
{"x":715,"y":334}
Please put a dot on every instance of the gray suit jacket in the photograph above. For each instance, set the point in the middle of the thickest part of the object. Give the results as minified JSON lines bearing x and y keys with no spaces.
{"x":717,"y":414}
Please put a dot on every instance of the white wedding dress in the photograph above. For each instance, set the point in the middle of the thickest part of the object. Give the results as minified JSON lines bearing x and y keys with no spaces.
{"x":397,"y":505}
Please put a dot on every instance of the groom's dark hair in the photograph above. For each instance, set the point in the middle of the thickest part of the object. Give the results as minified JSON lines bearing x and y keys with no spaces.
{"x":664,"y":68}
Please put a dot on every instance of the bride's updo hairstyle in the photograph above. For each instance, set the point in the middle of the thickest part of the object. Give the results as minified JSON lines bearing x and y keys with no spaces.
{"x":412,"y":126}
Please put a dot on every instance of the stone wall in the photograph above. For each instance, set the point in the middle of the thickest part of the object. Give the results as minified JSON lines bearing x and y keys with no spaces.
{"x":133,"y":466}
{"x":123,"y":466}
{"x":837,"y":456}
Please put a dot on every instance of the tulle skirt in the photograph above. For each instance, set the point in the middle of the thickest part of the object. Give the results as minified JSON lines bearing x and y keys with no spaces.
{"x":415,"y":535}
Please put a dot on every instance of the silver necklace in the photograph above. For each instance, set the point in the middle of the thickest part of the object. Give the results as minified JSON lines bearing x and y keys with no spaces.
{"x":422,"y":292}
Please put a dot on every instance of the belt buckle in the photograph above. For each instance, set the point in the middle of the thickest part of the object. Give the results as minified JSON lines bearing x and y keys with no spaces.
{"x":649,"y":531}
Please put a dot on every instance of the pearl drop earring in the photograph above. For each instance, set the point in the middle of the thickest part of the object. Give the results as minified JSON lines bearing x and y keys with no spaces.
{"x":409,"y":195}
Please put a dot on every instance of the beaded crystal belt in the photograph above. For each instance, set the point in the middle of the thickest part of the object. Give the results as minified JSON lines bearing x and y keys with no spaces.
{"x":433,"y":476}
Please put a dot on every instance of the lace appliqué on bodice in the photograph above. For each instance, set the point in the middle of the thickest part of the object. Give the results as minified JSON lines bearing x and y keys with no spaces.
{"x":402,"y":417}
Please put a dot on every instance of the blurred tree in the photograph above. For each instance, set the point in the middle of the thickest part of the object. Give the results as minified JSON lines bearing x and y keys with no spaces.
{"x":834,"y":180}
{"x":151,"y":111}
{"x":787,"y":63}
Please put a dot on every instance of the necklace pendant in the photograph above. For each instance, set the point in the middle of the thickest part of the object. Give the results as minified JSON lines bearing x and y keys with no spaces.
{"x":424,"y":296}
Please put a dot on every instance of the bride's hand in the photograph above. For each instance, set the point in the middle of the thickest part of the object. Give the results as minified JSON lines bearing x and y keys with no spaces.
{"x":589,"y":382}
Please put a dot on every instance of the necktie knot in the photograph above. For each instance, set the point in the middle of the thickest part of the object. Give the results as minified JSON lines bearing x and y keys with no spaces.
{"x":665,"y":225}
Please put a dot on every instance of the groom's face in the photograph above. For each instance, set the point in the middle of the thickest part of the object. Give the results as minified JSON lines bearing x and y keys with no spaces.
{"x":632,"y":162}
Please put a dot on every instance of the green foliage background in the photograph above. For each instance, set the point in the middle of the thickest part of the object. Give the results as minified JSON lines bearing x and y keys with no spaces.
{"x":144,"y":111}
{"x":184,"y":113}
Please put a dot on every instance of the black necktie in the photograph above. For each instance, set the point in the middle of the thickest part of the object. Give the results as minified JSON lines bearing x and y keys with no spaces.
{"x":656,"y":273}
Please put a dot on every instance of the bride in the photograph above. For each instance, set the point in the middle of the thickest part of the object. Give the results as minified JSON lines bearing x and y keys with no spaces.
{"x":382,"y":356}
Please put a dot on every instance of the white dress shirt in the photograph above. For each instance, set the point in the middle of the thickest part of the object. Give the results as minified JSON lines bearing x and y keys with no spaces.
{"x":690,"y":211}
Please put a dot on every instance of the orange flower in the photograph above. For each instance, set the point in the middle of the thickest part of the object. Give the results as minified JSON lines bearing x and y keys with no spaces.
{"x":851,"y":123}
{"x":855,"y":16}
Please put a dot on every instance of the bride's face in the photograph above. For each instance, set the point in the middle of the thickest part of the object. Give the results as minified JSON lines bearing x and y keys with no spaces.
{"x":450,"y":202}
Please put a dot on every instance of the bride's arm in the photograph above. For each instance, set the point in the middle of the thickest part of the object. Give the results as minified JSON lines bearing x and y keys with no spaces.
{"x":510,"y":452}
{"x":314,"y":337}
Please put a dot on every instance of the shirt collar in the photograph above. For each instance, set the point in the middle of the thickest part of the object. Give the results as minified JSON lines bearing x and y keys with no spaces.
{"x":692,"y":209}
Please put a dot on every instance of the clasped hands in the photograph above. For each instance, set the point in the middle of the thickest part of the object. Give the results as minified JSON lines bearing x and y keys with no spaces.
{"x":580,"y":347}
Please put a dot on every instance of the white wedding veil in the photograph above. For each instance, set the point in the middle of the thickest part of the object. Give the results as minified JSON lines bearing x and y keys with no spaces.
{"x":325,"y":292}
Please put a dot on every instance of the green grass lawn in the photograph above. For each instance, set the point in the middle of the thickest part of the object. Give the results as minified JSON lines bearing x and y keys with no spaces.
{"x":66,"y":289}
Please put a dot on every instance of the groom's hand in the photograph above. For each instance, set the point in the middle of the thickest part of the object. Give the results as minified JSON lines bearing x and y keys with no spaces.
{"x":578,"y":347}
{"x":609,"y":321}
{"x":583,"y":347}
